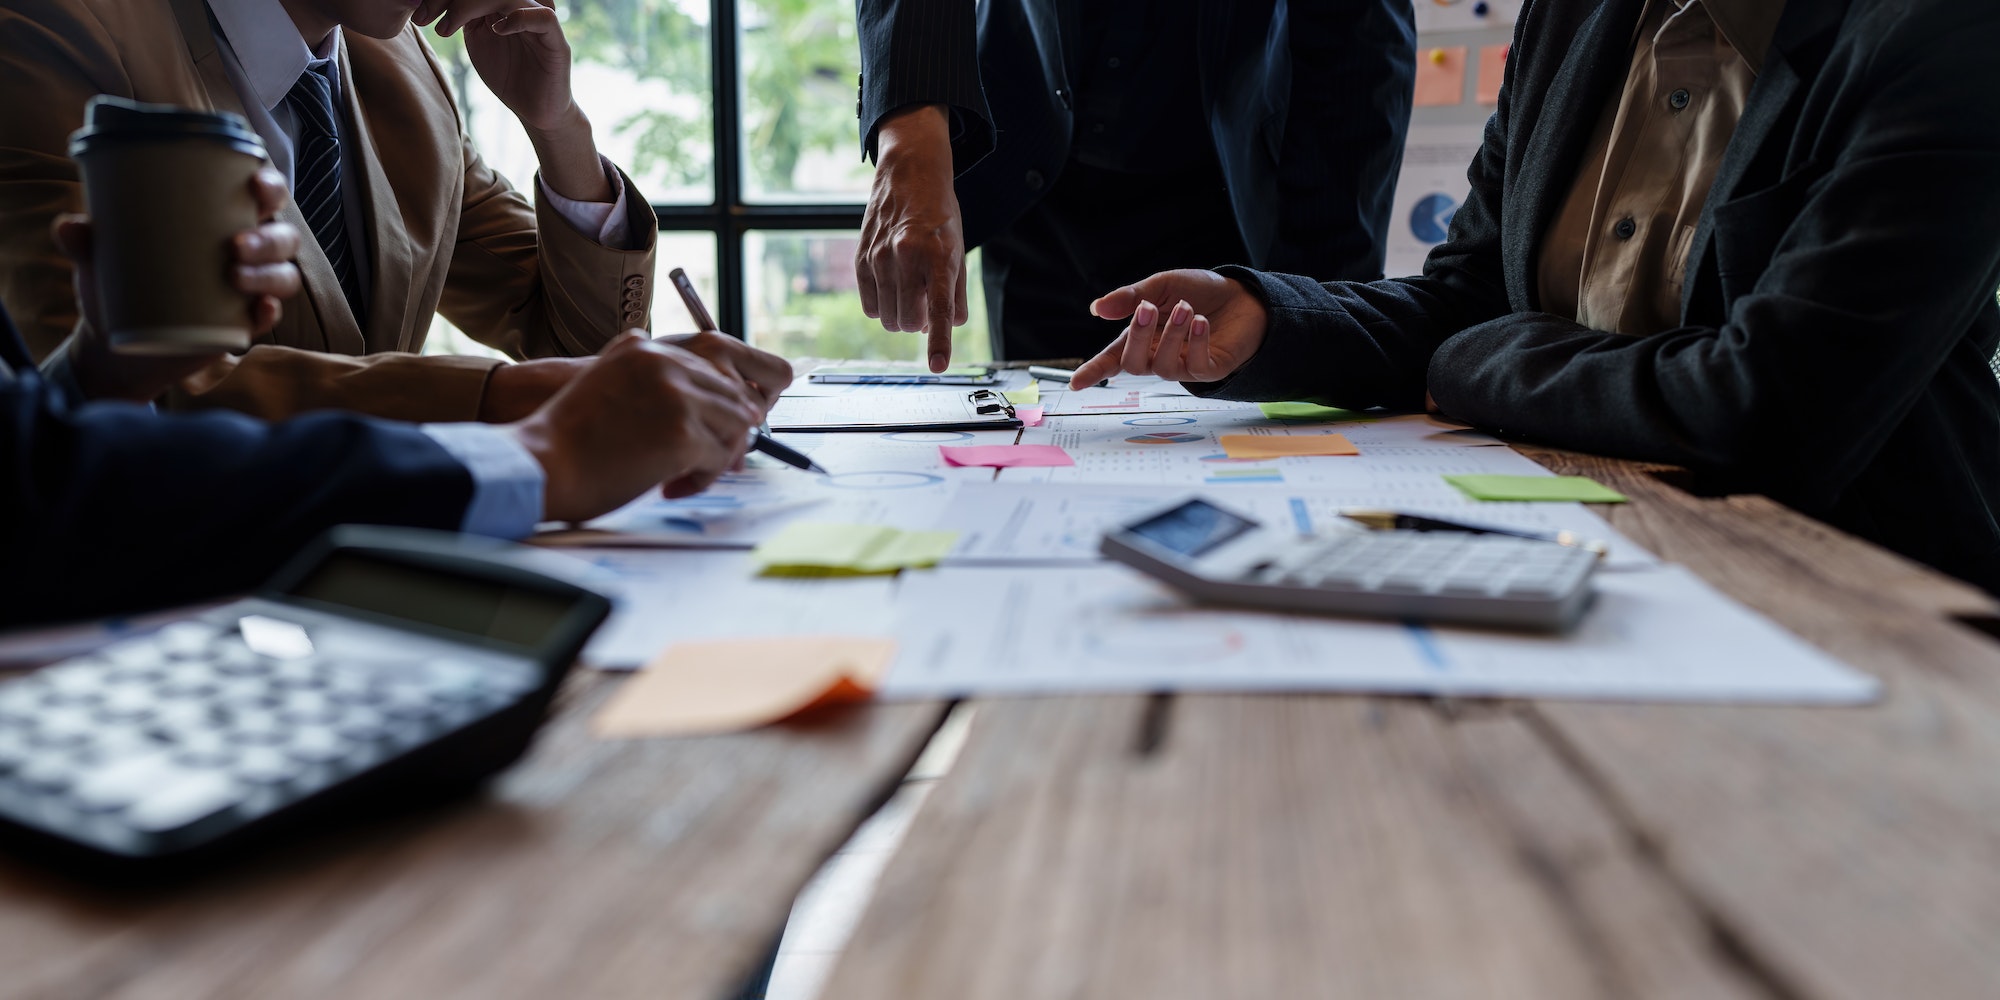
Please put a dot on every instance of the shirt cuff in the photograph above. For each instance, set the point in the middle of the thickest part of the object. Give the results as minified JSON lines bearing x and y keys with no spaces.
{"x":507,"y":482}
{"x":58,"y":372}
{"x":605,"y":220}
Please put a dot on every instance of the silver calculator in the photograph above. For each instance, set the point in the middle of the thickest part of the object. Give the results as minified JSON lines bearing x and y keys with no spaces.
{"x":385,"y":665}
{"x":1217,"y":555}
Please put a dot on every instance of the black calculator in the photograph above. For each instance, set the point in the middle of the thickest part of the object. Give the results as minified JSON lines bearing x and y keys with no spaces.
{"x":383,"y":665}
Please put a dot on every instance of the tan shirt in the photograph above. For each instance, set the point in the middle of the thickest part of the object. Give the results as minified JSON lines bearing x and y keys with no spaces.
{"x":1616,"y":255}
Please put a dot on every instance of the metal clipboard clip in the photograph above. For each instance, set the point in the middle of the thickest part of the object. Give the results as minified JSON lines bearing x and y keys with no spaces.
{"x":986,"y":403}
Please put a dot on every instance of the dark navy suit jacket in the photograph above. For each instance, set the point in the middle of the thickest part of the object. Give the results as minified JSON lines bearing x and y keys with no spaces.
{"x":110,"y":507}
{"x":1838,"y":316}
{"x":1308,"y":102}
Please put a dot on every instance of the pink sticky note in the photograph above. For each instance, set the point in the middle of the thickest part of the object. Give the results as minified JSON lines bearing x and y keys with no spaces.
{"x":1005,"y":456}
{"x":1492,"y":70}
{"x":1440,"y":76}
{"x":1031,"y":416}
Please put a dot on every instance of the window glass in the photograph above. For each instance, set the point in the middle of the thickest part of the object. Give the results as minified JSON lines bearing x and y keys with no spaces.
{"x":799,"y":62}
{"x":641,"y":73}
{"x":804,"y":304}
{"x":693,"y":251}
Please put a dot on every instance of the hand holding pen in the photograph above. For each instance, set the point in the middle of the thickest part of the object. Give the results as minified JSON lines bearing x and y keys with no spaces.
{"x":765,"y":373}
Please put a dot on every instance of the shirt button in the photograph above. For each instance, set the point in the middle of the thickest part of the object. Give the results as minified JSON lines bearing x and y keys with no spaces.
{"x":1679,"y":99}
{"x":1113,"y":62}
{"x":1034,"y":180}
{"x":1625,"y":228}
{"x":1062,"y":95}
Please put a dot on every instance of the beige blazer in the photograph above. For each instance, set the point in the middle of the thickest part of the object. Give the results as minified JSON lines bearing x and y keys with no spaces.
{"x":447,"y":234}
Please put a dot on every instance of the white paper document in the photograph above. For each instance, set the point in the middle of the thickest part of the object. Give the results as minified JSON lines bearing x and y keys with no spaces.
{"x":1658,"y":634}
{"x":894,"y":478}
{"x":1006,"y":380}
{"x":1402,"y":459}
{"x":884,"y":410}
{"x":1062,"y":522}
{"x":661,"y":598}
{"x":1143,"y":398}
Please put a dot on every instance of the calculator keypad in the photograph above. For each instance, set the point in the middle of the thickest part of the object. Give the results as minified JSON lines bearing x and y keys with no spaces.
{"x":1441,"y":563}
{"x":163,"y":740}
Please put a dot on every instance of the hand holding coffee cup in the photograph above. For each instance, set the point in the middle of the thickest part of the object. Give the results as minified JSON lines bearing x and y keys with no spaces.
{"x":169,"y":188}
{"x":259,"y":272}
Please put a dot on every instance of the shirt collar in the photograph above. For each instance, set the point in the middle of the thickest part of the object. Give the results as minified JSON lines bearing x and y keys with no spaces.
{"x":268,"y":46}
{"x":1748,"y":26}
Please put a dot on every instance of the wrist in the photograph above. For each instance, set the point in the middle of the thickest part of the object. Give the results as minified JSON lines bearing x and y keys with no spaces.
{"x":566,"y":150}
{"x":919,"y":129}
{"x":537,"y":438}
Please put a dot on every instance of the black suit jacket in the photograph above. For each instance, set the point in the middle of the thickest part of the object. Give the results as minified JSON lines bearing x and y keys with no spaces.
{"x":109,"y":507}
{"x":1838,"y":315}
{"x":1307,"y":101}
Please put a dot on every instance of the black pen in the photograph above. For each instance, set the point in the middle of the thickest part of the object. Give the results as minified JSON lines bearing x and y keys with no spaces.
{"x":1053,"y":374}
{"x":760,"y":439}
{"x":1390,"y":519}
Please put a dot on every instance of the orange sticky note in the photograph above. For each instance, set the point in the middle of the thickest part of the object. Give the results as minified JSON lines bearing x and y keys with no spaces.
{"x":1492,"y":70}
{"x":1440,"y":77}
{"x":1286,"y":445}
{"x":735,"y":684}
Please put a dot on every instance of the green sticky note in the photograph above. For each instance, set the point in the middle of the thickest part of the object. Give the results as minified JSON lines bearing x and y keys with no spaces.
{"x":1030,"y":396}
{"x":1579,"y":489}
{"x":1311,"y":412}
{"x":818,"y":549}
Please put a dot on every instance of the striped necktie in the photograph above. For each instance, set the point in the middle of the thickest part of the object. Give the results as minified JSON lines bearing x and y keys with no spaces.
{"x":316,"y":178}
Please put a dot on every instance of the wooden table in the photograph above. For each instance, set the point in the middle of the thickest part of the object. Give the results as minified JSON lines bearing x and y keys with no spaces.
{"x":1320,"y":846}
{"x":1198,"y":846}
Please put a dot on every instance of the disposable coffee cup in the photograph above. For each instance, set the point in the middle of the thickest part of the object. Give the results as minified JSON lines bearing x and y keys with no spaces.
{"x":167,"y":189}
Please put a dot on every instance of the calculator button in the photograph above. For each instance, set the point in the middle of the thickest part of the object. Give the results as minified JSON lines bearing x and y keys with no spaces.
{"x":315,"y":745}
{"x":50,"y":773}
{"x":14,"y":751}
{"x":362,"y":725}
{"x":187,"y":679}
{"x":62,"y":727}
{"x":256,"y":727}
{"x":262,"y":766}
{"x":185,"y":639}
{"x":307,"y":706}
{"x":205,"y":750}
{"x":191,"y":797}
{"x":132,"y":653}
{"x":126,"y":703}
{"x":242,"y":693}
{"x":123,"y":782}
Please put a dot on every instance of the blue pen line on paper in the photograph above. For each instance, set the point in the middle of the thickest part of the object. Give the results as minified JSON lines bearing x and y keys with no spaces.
{"x":1301,"y":517}
{"x":1426,"y":641}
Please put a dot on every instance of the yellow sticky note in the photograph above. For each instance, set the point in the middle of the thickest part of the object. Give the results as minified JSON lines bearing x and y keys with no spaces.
{"x":1029,"y":396}
{"x":1286,"y":445}
{"x":1440,"y":77}
{"x":1311,"y":412}
{"x":723,"y":686}
{"x":810,"y":548}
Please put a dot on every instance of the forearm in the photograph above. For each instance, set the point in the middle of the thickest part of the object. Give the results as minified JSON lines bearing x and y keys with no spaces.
{"x":569,"y":160}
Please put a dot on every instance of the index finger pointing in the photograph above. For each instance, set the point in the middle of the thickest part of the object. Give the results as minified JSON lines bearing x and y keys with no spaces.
{"x":943,"y":290}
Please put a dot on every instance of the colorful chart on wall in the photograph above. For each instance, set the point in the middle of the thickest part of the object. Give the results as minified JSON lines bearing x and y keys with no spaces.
{"x":1429,"y":192}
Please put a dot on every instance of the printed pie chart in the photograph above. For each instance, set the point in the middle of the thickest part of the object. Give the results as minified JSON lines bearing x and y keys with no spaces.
{"x":1430,"y":217}
{"x":893,"y":480}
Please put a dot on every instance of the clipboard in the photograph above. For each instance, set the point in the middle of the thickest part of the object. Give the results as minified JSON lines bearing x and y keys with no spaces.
{"x":978,"y":410}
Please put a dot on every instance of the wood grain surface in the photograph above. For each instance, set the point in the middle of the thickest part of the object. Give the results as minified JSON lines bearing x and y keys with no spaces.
{"x":1327,"y":846}
{"x":640,"y":868}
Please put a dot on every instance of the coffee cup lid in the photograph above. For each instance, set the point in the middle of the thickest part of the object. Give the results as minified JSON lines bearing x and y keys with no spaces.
{"x":107,"y":118}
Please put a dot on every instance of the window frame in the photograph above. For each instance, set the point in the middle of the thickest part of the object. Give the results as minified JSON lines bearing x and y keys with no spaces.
{"x":729,"y":217}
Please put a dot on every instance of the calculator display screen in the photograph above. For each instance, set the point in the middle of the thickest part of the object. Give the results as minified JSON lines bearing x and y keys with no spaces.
{"x":485,"y":609}
{"x":1192,"y":528}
